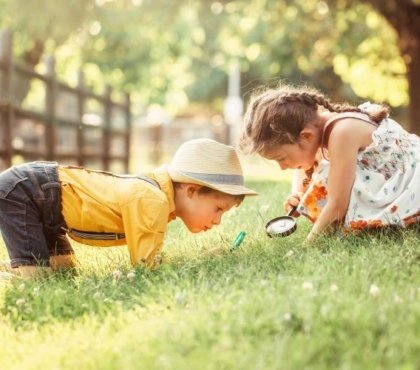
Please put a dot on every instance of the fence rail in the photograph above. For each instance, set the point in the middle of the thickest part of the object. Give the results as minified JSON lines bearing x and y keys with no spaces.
{"x":54,"y":121}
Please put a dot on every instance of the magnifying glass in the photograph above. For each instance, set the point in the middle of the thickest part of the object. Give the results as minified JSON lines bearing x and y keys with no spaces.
{"x":281,"y":226}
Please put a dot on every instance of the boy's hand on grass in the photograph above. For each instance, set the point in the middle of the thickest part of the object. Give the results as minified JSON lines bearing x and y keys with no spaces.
{"x":7,"y":276}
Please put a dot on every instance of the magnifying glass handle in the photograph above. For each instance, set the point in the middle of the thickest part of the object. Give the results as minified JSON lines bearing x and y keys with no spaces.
{"x":290,"y":213}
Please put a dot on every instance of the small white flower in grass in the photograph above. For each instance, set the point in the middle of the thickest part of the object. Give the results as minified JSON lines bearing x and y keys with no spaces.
{"x":164,"y":361}
{"x":6,"y":276}
{"x":20,"y":302}
{"x":289,"y":254}
{"x":21,"y":286}
{"x":117,"y":274}
{"x":307,"y":286}
{"x":264,"y":283}
{"x":397,"y":299}
{"x":333,"y":288}
{"x":180,"y":297}
{"x":131,"y":275}
{"x":287,"y":316}
{"x":374,"y":290}
{"x":264,"y":209}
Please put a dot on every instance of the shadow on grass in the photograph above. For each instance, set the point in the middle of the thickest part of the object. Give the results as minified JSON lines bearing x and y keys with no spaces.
{"x":67,"y":296}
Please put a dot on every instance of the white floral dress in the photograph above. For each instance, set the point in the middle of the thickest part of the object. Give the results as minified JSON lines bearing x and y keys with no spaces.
{"x":386,"y":190}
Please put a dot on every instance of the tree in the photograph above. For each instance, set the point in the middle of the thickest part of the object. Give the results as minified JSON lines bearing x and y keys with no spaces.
{"x":334,"y":47}
{"x":171,"y":52}
{"x":39,"y":22}
{"x":404,"y":17}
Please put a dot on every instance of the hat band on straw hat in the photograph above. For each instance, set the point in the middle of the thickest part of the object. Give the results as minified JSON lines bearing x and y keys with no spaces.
{"x":209,"y":163}
{"x":215,"y":178}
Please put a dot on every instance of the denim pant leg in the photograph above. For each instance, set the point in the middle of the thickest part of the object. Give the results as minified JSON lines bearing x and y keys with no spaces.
{"x":30,"y":213}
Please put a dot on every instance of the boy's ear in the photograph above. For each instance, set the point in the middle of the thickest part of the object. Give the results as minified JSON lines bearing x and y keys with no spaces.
{"x":191,"y":189}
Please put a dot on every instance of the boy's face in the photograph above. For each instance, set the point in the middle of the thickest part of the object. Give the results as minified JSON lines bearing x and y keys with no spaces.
{"x":200,"y":212}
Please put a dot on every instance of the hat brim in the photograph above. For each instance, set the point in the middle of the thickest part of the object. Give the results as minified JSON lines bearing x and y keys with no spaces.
{"x":178,"y":176}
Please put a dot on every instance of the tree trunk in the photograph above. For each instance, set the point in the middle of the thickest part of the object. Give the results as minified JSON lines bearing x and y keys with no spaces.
{"x":413,"y":76}
{"x":404,"y":17}
{"x":30,"y":58}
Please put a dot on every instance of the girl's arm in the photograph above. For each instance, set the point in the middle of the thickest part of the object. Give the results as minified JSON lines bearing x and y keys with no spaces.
{"x":345,"y":141}
{"x":297,"y":181}
{"x":297,"y":191}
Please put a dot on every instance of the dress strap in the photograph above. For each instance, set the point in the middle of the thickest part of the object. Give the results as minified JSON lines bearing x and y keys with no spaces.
{"x":339,"y":116}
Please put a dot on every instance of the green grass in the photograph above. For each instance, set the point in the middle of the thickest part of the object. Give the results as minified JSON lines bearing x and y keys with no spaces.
{"x":273,"y":304}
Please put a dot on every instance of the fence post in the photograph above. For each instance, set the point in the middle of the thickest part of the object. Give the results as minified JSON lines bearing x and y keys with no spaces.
{"x":6,"y":93}
{"x":106,"y":129}
{"x":127,"y":131}
{"x":51,"y":95}
{"x":81,"y":106}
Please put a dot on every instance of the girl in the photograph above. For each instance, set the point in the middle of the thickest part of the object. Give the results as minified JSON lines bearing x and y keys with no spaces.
{"x":353,"y":165}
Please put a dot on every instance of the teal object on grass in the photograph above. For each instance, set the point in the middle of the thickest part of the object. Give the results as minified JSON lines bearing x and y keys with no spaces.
{"x":239,"y":239}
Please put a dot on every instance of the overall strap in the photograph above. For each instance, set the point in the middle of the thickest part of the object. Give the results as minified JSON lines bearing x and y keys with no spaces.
{"x":92,"y":235}
{"x":339,"y":116}
{"x":140,"y":177}
{"x":149,"y":180}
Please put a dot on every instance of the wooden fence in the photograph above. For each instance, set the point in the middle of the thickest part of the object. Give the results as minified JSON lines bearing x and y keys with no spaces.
{"x":68,"y":124}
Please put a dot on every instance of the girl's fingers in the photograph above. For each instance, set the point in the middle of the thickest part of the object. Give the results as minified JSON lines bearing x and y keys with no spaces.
{"x":292,"y":201}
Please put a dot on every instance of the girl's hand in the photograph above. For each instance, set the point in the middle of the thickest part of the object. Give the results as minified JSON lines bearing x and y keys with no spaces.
{"x":309,"y":240}
{"x":293,"y":201}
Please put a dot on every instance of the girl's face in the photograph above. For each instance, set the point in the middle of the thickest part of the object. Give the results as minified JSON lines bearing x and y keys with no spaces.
{"x":200,"y":212}
{"x":300,"y":155}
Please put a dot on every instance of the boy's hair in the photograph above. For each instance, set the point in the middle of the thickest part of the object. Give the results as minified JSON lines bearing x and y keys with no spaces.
{"x":207,"y":190}
{"x":277,"y":116}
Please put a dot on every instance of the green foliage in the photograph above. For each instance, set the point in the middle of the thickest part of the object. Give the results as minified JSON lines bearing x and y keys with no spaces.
{"x":44,"y":20}
{"x":173,"y":53}
{"x":272,"y":304}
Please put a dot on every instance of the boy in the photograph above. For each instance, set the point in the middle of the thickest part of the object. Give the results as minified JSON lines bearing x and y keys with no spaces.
{"x":41,"y":202}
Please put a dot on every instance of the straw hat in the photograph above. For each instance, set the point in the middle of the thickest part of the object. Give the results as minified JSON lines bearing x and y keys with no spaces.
{"x":209,"y":163}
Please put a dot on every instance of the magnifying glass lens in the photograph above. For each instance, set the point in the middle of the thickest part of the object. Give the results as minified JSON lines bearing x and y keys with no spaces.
{"x":281,"y":226}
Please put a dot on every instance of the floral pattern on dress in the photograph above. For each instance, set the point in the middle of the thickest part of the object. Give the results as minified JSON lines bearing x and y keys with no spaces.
{"x":314,"y":201}
{"x":386,"y":190}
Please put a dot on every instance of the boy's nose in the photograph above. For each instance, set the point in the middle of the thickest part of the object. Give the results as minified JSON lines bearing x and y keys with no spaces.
{"x":283,"y":166}
{"x":217,"y":220}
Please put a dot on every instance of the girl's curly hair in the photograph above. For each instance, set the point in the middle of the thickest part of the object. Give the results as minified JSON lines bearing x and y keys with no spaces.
{"x":277,"y":116}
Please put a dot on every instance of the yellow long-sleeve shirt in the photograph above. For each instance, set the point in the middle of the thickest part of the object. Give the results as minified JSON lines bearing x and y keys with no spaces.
{"x":94,"y":201}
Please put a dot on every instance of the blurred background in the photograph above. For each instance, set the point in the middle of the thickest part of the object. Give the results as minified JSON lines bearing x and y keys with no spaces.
{"x":119,"y":84}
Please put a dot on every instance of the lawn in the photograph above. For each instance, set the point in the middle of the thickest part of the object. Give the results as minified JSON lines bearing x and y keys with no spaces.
{"x":349,"y":303}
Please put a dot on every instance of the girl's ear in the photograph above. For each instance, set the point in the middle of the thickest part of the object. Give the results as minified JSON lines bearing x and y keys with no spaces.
{"x":307,"y":134}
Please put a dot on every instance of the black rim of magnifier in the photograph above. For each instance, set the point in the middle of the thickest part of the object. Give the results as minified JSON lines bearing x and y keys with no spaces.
{"x":287,"y":217}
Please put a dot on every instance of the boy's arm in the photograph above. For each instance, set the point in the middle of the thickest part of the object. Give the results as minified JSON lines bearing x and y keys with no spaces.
{"x":145,"y":222}
{"x":344,"y":143}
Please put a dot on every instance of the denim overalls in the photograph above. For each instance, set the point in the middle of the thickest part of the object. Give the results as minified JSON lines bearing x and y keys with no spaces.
{"x":30,"y":214}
